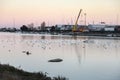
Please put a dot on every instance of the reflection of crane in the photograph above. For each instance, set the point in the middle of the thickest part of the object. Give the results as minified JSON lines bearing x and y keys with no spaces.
{"x":80,"y":50}
{"x":75,"y":26}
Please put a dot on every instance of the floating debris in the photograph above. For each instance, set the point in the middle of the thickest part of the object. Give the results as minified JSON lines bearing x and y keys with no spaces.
{"x":55,"y":60}
{"x":27,"y":52}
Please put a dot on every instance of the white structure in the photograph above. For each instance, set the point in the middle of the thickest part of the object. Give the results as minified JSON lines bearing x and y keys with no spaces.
{"x":64,"y":27}
{"x":109,"y":28}
{"x":96,"y":27}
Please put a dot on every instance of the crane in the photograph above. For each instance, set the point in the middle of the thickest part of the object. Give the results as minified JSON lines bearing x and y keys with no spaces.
{"x":74,"y":29}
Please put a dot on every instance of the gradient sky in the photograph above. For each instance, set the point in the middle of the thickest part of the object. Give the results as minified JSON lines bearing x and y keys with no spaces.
{"x":57,"y":12}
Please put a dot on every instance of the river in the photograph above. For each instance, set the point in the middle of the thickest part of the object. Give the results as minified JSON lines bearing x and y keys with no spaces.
{"x":84,"y":57}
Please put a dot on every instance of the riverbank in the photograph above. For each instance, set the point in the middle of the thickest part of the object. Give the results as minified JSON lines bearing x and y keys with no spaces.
{"x":94,"y":33}
{"x":8,"y":72}
{"x":101,"y":34}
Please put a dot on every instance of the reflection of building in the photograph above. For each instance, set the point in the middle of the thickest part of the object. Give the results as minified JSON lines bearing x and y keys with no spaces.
{"x":43,"y":37}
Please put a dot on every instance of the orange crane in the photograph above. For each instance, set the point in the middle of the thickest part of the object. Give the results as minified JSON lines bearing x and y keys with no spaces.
{"x":74,"y":29}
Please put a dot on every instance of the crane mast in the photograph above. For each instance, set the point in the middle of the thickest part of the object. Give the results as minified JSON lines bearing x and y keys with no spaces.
{"x":75,"y":26}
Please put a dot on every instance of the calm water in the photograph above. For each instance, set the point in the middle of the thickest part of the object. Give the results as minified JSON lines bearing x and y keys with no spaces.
{"x":84,"y":58}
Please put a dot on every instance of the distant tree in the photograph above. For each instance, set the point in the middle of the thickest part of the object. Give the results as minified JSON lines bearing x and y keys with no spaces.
{"x":24,"y":28}
{"x":52,"y":29}
{"x":43,"y":24}
{"x":39,"y":27}
{"x":31,"y":26}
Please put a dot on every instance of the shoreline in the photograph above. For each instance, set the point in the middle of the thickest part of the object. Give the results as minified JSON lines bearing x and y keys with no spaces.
{"x":98,"y":34}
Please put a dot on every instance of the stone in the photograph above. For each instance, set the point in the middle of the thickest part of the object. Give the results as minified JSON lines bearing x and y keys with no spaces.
{"x":55,"y":60}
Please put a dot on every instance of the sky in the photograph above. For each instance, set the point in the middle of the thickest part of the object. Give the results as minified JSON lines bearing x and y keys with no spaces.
{"x":15,"y":13}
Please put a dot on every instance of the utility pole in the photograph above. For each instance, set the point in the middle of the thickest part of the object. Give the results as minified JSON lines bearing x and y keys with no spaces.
{"x":85,"y":18}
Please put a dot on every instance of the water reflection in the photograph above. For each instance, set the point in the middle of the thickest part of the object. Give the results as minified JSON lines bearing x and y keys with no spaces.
{"x":42,"y":37}
{"x":84,"y":58}
{"x":78,"y":50}
{"x":24,"y":37}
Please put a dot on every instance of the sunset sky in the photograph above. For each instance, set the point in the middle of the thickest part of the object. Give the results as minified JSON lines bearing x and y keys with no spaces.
{"x":57,"y":12}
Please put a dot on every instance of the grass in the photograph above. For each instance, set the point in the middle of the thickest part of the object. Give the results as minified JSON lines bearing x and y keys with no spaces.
{"x":59,"y":78}
{"x":8,"y":72}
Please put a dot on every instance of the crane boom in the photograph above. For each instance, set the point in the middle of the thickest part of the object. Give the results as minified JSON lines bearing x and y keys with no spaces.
{"x":75,"y":26}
